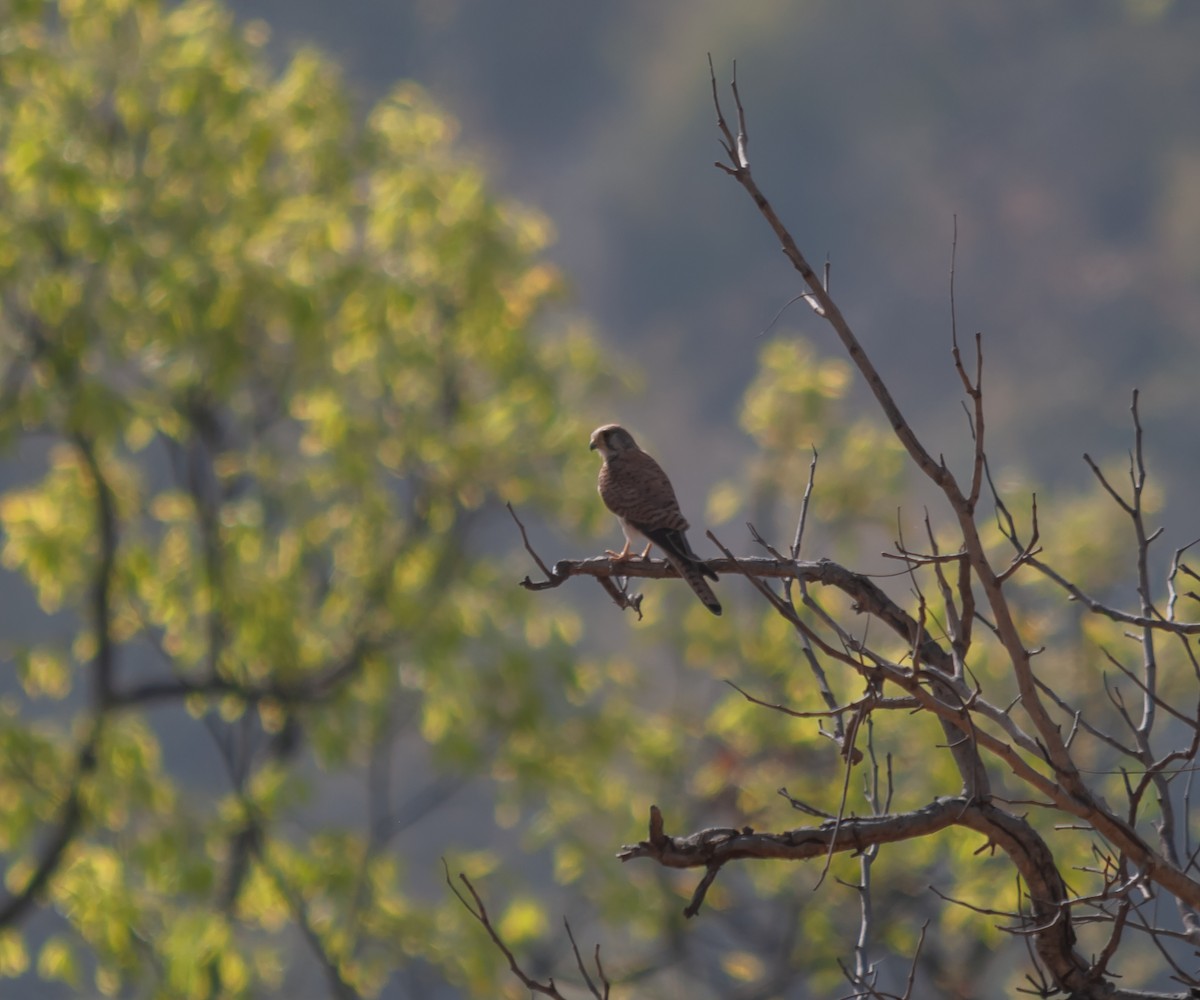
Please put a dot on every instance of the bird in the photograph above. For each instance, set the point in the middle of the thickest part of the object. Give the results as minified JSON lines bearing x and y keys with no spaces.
{"x":635,"y":488}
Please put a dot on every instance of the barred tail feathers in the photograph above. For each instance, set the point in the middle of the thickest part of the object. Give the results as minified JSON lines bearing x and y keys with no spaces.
{"x":691,"y":572}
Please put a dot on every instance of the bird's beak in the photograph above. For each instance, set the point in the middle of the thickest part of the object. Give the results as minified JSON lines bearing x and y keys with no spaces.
{"x":592,"y":446}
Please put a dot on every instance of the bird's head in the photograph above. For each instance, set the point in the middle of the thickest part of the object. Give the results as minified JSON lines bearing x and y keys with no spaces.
{"x":612,"y":439}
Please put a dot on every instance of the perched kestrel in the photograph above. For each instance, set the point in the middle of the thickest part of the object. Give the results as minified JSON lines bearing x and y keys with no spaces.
{"x":635,"y":488}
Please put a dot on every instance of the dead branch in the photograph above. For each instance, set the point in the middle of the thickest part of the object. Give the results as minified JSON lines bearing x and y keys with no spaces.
{"x":1098,"y":607}
{"x":713,"y":848}
{"x":720,"y":845}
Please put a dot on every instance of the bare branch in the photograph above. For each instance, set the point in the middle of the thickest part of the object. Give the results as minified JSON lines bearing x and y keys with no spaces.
{"x":1177,"y":567}
{"x":808,"y":488}
{"x":1140,"y":621}
{"x":974,"y":390}
{"x":592,"y":988}
{"x":525,"y":538}
{"x":702,"y":887}
{"x":479,"y":911}
{"x":804,"y":807}
{"x":717,"y":846}
{"x":868,"y":702}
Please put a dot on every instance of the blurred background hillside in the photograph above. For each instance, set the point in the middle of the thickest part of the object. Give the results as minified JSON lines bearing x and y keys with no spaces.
{"x":1065,"y":138}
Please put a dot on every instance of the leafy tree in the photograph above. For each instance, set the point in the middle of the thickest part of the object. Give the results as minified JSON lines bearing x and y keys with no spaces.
{"x":267,"y":368}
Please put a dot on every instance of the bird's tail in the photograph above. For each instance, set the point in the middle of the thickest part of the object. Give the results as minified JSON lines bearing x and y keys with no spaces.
{"x":693,"y":573}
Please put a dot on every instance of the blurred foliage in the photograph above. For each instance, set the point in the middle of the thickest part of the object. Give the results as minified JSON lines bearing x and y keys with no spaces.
{"x":271,"y":368}
{"x":291,"y":357}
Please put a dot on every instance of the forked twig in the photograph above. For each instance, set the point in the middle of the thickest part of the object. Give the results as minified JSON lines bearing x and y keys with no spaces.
{"x":548,"y":988}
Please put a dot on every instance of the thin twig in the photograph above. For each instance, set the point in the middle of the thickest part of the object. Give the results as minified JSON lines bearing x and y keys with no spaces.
{"x":480,"y":913}
{"x":804,"y":501}
{"x":525,"y":538}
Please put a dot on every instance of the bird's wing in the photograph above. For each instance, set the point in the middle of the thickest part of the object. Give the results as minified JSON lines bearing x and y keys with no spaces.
{"x":674,"y":543}
{"x":636,"y":489}
{"x":642,"y":494}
